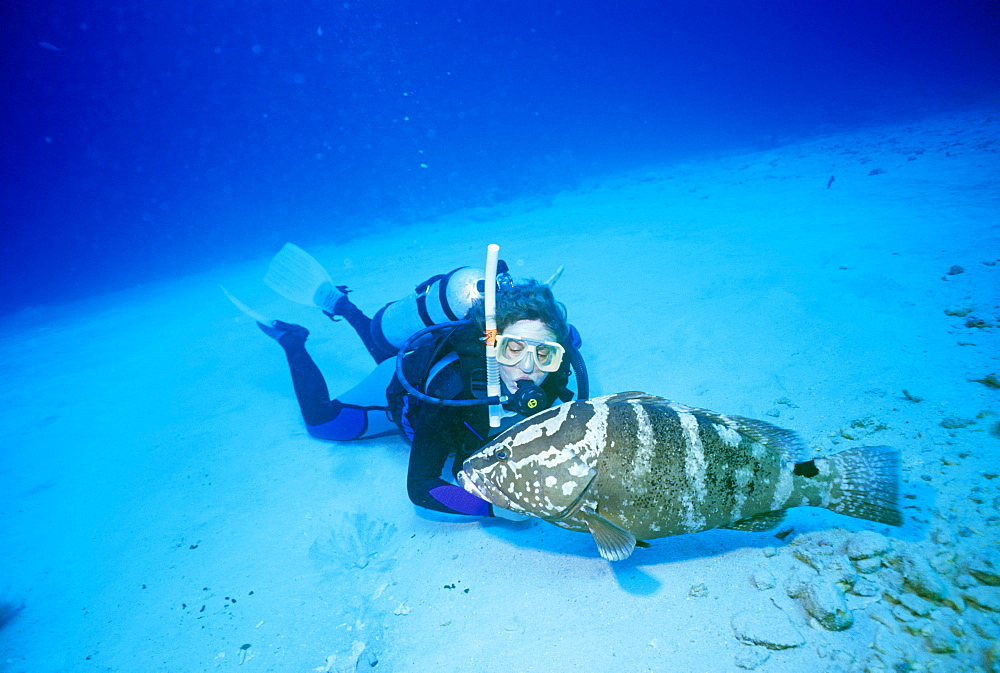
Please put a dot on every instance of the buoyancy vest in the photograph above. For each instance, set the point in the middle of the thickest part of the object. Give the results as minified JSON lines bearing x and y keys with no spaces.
{"x":464,"y":343}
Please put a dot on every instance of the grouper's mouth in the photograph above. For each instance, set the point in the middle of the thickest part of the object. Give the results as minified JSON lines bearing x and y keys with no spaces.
{"x":468,"y":483}
{"x":472,"y":483}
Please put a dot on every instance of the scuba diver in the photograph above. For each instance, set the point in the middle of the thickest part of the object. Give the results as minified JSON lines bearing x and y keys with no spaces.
{"x":430,"y":379}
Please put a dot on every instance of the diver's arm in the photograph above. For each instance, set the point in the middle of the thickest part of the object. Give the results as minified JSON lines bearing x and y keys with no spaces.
{"x":437,"y":432}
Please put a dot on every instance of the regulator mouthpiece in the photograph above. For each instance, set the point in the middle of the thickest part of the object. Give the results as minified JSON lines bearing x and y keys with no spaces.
{"x":528,"y":399}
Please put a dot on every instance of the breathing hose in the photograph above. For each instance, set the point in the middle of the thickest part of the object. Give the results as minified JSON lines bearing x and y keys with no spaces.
{"x":575,"y":359}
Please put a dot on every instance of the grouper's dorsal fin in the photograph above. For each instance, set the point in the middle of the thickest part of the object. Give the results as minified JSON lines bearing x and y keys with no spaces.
{"x":759,"y":522}
{"x":786,"y":443}
{"x":614,"y":542}
{"x":632,"y":395}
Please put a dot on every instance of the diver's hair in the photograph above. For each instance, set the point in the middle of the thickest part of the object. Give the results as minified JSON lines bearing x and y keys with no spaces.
{"x":529,"y":300}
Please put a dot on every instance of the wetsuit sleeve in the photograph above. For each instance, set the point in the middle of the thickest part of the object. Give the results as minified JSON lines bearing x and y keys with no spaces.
{"x":438,"y":432}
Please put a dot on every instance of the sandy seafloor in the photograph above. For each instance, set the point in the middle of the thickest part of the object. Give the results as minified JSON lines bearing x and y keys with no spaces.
{"x":163,"y":508}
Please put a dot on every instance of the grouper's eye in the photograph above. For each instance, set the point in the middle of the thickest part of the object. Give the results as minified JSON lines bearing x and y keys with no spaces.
{"x":502,"y":454}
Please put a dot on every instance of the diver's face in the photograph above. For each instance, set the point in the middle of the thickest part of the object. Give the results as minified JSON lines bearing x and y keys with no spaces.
{"x":527,"y":369}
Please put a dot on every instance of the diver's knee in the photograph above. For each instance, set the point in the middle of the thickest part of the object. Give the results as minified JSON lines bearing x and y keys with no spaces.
{"x":350,"y":423}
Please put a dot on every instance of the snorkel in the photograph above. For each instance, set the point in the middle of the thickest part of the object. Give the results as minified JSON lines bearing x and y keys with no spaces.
{"x":490,"y":309}
{"x":496,"y":397}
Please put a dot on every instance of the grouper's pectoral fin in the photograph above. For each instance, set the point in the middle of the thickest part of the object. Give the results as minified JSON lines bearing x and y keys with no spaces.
{"x":759,"y":522}
{"x":614,"y":542}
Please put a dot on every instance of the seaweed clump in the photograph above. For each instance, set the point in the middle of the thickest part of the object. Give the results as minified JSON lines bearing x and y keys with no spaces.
{"x":990,"y":381}
{"x":9,"y":612}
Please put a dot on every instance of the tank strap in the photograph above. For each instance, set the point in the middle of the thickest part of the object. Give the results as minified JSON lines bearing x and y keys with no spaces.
{"x":421,"y":290}
{"x":425,"y":316}
{"x":443,"y":296}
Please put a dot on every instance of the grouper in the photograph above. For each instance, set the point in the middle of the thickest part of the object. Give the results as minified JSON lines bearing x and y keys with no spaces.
{"x":632,"y":466}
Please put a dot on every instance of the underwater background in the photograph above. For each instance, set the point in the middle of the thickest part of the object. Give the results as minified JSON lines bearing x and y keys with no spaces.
{"x":144,"y":140}
{"x":786,"y":211}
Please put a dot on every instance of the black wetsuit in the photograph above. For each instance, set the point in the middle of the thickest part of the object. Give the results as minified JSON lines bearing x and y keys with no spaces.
{"x":436,"y":432}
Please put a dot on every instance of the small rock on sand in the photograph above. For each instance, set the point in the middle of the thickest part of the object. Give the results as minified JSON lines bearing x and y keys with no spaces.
{"x":985,"y":567}
{"x":750,"y":658}
{"x":985,"y":598}
{"x":767,"y":627}
{"x":826,"y":603}
{"x":867,"y":544}
{"x":921,"y":578}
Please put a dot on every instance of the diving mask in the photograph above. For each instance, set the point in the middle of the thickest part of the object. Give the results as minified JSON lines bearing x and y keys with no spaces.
{"x":512,"y":349}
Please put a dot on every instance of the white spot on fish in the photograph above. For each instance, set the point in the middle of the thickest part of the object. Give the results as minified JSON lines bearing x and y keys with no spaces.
{"x":550,"y":481}
{"x":643,"y":460}
{"x":743,"y":477}
{"x":548,"y":427}
{"x":728,"y":435}
{"x":569,"y":487}
{"x":549,"y":459}
{"x":694,"y":467}
{"x":783,"y":489}
{"x":592,"y":445}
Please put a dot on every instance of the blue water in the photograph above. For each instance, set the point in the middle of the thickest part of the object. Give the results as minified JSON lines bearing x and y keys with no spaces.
{"x":147,"y":139}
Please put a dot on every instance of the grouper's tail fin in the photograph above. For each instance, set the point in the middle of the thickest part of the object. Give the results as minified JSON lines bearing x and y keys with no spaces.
{"x":868,"y":484}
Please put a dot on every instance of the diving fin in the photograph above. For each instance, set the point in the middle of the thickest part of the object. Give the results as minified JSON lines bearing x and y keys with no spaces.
{"x":246,"y":309}
{"x":297,"y":276}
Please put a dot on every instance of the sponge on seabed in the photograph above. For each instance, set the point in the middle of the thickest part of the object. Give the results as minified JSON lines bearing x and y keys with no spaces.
{"x":869,"y":484}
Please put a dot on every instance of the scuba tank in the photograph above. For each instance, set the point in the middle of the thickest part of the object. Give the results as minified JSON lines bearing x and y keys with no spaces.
{"x":439,"y":299}
{"x":458,"y":290}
